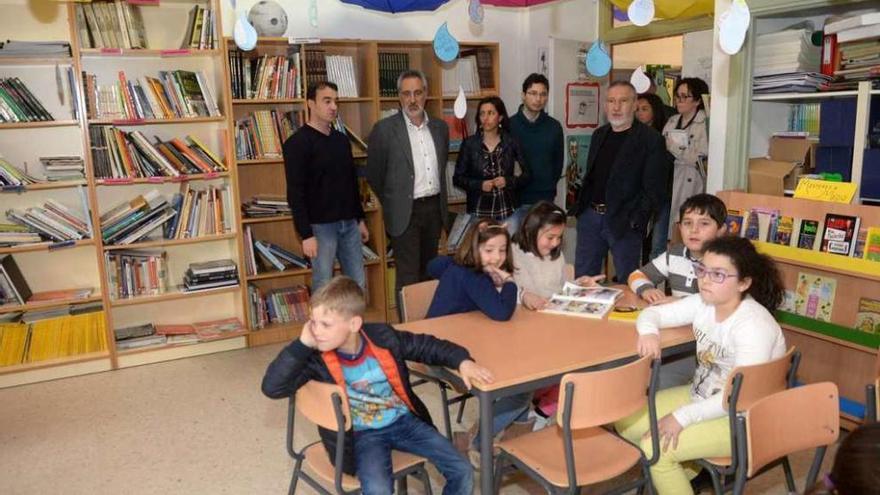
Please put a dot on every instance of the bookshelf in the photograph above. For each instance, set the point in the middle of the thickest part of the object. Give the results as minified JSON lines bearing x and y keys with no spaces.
{"x":832,"y":350}
{"x":374,"y":81}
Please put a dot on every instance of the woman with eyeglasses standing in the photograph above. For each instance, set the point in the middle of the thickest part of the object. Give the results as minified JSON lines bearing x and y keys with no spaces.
{"x":733,"y":326}
{"x":687,"y":138}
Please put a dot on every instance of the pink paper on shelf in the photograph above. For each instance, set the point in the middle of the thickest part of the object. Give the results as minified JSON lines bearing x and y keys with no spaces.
{"x":175,"y":51}
{"x":117,"y":180}
{"x":156,"y":179}
{"x":180,"y":178}
{"x":212,"y":175}
{"x":126,"y":121}
{"x":111,"y":51}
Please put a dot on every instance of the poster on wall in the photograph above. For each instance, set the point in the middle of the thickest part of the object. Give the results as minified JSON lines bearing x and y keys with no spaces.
{"x":577,"y":148}
{"x":582,"y":105}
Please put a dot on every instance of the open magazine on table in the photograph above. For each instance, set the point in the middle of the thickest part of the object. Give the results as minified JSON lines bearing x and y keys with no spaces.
{"x":585,"y":302}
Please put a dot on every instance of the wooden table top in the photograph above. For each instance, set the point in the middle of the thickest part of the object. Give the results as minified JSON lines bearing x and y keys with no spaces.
{"x":534,"y":345}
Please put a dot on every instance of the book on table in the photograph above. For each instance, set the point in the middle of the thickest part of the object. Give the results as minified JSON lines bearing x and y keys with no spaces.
{"x":584,"y":302}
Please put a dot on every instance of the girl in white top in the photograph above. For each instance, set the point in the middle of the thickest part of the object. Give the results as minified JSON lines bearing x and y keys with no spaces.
{"x":540,"y":271}
{"x":537,"y":255}
{"x":733,"y":327}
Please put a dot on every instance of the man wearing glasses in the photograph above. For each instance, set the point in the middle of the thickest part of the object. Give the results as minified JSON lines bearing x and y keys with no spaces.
{"x":540,"y":138}
{"x":406,"y":167}
{"x":622,"y":186}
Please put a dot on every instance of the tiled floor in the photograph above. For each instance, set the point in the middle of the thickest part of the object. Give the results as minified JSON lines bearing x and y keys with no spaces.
{"x":192,"y":426}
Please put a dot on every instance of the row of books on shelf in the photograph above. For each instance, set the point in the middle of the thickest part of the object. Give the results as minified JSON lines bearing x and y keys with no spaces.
{"x":473,"y":72}
{"x":261,"y":256}
{"x":57,"y":168}
{"x":339,"y":69}
{"x":803,"y":120}
{"x":282,"y":305}
{"x":41,"y":336}
{"x":190,"y":213}
{"x":852,"y":49}
{"x":201,"y":28}
{"x":813,"y":297}
{"x":261,"y":134}
{"x":837,"y":234}
{"x":265,"y":205}
{"x":149,"y":335}
{"x":18,"y":103}
{"x":391,"y":64}
{"x":265,"y":77}
{"x":110,"y":24}
{"x":52,"y":222}
{"x":15,"y":290}
{"x":143,"y":272}
{"x":174,"y":94}
{"x":120,"y":154}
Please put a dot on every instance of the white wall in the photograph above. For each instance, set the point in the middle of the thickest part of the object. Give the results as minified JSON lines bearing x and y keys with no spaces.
{"x":519,"y":31}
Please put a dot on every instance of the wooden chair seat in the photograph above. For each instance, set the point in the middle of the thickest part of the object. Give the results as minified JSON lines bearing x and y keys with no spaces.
{"x":319,"y":464}
{"x":599,"y":455}
{"x":720,"y":461}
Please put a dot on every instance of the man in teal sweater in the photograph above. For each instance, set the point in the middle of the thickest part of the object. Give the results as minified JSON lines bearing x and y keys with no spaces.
{"x":540,"y":137}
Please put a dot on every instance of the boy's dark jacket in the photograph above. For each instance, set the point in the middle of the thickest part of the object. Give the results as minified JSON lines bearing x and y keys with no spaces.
{"x":297,"y":364}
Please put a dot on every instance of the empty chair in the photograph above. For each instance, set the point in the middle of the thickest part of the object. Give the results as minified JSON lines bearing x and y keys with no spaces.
{"x":786,"y":422}
{"x":578,"y":451}
{"x":322,"y":404}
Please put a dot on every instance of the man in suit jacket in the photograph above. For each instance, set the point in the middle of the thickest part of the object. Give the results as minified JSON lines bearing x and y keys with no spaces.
{"x":622,"y":185}
{"x":406,"y":167}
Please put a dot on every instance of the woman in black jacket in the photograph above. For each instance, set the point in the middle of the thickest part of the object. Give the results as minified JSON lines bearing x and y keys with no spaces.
{"x":490,"y":166}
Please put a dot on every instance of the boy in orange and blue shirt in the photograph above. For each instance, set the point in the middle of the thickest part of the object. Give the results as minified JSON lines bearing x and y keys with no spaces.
{"x":369,"y":361}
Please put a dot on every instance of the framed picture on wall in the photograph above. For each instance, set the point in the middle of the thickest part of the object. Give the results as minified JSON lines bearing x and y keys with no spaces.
{"x":582,"y":105}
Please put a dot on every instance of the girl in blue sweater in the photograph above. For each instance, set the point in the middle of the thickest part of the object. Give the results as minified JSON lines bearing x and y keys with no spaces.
{"x":480,"y":277}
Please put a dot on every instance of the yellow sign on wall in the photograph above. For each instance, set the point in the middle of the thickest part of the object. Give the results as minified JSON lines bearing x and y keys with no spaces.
{"x":823,"y":190}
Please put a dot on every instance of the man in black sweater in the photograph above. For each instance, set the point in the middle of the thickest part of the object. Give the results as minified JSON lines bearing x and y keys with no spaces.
{"x":322,"y":191}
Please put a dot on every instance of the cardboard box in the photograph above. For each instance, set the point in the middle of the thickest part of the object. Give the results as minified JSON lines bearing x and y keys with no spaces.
{"x":788,"y":159}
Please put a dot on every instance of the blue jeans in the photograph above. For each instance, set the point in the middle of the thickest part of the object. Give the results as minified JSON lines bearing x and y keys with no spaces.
{"x":341,"y":239}
{"x":507,"y":410}
{"x":515,"y":220}
{"x":660,"y":235}
{"x":593,"y":242}
{"x":372,"y":451}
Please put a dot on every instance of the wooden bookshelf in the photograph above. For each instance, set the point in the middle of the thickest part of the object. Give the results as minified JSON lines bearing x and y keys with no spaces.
{"x":135,"y":122}
{"x":124,"y":181}
{"x":172,"y":242}
{"x":147,"y":53}
{"x":171,"y":295}
{"x":32,"y":306}
{"x":38,"y":125}
{"x":11,"y":61}
{"x":834,"y":350}
{"x":45,"y":186}
{"x":278,"y":218}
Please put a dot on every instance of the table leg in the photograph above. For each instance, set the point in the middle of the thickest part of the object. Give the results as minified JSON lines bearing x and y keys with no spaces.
{"x":487,"y":466}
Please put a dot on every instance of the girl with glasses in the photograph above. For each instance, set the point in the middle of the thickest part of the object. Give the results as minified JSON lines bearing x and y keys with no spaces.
{"x":733,"y":326}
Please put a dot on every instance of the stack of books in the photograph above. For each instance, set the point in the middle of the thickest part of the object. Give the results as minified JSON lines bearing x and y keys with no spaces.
{"x":472,"y":71}
{"x":208,"y":275}
{"x":200,"y":212}
{"x":133,"y":220}
{"x":13,"y":177}
{"x":14,"y":289}
{"x":18,"y":104}
{"x":341,"y":70}
{"x":260,"y":135}
{"x":391,"y":64}
{"x":174,"y":94}
{"x":137,"y":336}
{"x":59,"y":168}
{"x":201,"y":29}
{"x":119,"y":154}
{"x":13,"y":235}
{"x":787,"y":61}
{"x":271,"y":256}
{"x":110,"y":24}
{"x":133,"y":273}
{"x":54,"y":221}
{"x":33,"y":49}
{"x":854,"y":53}
{"x":265,"y":205}
{"x":316,"y":66}
{"x":266,"y":77}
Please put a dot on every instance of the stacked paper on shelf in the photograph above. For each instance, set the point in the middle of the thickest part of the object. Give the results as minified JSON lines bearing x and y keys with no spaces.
{"x":13,"y":49}
{"x":786,"y":51}
{"x":795,"y":82}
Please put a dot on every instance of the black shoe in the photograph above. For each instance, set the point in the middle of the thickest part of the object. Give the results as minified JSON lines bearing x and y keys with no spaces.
{"x":702,"y":481}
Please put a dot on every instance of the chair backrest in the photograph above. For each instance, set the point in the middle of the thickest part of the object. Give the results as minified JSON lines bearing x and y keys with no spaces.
{"x":602,"y":397}
{"x":416,"y":299}
{"x":760,"y":380}
{"x":315,"y":401}
{"x":796,"y":419}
